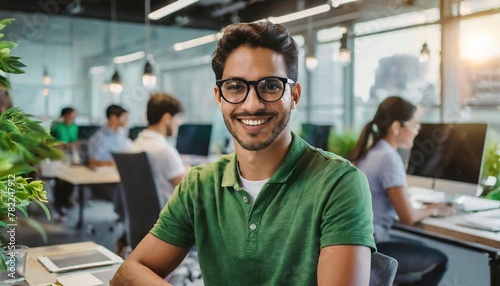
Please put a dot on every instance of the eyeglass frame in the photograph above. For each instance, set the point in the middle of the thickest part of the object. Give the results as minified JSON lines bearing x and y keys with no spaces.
{"x":408,"y":124}
{"x":253,"y":83}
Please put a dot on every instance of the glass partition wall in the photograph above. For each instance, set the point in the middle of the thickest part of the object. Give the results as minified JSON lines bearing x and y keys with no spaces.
{"x":386,"y":59}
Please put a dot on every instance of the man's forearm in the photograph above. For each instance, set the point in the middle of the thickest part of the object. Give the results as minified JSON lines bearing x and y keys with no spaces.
{"x":133,"y":273}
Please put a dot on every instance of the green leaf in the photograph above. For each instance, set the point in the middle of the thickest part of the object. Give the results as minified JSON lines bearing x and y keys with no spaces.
{"x":3,"y":224}
{"x":10,"y":64}
{"x":5,"y":82}
{"x":7,"y":45}
{"x":44,"y":208}
{"x":23,"y":210}
{"x":5,"y":22}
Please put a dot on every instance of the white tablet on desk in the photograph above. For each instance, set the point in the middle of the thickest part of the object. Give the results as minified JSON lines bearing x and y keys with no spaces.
{"x":99,"y":256}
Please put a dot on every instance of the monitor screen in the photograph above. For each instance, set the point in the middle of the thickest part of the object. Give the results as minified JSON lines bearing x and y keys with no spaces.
{"x":134,"y":131}
{"x":194,"y":139}
{"x":85,"y":131}
{"x":449,"y":153}
{"x":316,"y":135}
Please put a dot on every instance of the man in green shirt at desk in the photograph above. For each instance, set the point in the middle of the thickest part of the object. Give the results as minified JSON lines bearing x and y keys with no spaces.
{"x":275,"y":212}
{"x":64,"y":129}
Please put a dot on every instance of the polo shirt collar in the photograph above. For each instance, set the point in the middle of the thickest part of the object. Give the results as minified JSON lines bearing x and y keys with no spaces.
{"x":151,"y":134}
{"x":292,"y":158}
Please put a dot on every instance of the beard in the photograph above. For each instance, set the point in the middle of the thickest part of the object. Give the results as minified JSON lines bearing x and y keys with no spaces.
{"x":255,"y":145}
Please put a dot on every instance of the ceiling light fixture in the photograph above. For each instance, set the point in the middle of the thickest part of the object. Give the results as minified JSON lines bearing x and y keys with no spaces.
{"x":425,"y":54}
{"x":171,"y":8}
{"x":46,"y":79}
{"x":300,"y":15}
{"x":344,"y":52}
{"x":129,"y":58}
{"x":197,"y":42}
{"x":337,"y":3}
{"x":149,"y":79}
{"x":115,"y":85}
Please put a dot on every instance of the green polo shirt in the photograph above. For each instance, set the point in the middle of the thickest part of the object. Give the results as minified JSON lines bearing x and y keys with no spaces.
{"x":64,"y":133}
{"x":315,"y":199}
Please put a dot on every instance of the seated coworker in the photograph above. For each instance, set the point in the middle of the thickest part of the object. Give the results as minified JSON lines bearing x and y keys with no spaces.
{"x":64,"y":130}
{"x":163,"y":112}
{"x":110,"y":138}
{"x":275,"y":212}
{"x":395,"y":125}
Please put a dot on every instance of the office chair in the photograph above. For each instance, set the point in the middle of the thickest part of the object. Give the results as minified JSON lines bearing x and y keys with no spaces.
{"x":139,"y":195}
{"x":383,"y":270}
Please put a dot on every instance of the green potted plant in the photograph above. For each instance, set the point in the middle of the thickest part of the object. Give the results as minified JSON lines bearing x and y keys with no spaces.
{"x":491,"y":168}
{"x":342,"y":143}
{"x":23,"y":144}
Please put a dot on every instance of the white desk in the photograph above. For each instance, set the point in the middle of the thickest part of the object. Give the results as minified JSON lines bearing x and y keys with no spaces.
{"x":81,"y":176}
{"x":37,"y":274}
{"x":446,"y":230}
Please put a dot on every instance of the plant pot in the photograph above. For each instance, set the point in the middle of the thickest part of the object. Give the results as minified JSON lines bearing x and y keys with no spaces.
{"x":12,"y":263}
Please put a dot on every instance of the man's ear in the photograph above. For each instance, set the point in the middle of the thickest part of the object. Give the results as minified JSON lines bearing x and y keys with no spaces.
{"x":166,"y":118}
{"x":296,"y":91}
{"x":217,"y":96}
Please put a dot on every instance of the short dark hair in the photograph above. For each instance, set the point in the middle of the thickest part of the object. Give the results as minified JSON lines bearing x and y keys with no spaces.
{"x":161,"y":103}
{"x":114,"y":109}
{"x":67,"y":110}
{"x":265,"y":35}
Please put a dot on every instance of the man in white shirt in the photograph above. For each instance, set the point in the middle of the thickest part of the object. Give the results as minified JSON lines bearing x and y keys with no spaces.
{"x":163,"y":112}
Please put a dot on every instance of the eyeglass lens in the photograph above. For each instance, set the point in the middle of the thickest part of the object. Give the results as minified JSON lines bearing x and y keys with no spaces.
{"x":268,"y":89}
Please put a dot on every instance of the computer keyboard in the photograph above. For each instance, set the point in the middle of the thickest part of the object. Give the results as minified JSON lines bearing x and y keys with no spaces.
{"x":484,"y":220}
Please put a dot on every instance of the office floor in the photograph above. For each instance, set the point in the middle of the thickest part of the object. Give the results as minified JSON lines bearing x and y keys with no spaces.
{"x":99,"y":226}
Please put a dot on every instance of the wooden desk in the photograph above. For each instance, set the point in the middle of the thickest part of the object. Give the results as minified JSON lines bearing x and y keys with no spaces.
{"x":37,"y":274}
{"x":81,"y":176}
{"x":446,"y":230}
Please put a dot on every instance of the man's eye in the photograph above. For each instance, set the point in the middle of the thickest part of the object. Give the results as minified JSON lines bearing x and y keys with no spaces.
{"x":234,"y":86}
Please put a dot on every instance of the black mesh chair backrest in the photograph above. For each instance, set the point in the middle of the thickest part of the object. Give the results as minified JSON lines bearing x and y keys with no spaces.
{"x":139,"y":194}
{"x":383,"y":270}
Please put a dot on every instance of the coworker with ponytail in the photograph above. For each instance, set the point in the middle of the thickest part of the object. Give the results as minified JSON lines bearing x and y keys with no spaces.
{"x":395,"y":125}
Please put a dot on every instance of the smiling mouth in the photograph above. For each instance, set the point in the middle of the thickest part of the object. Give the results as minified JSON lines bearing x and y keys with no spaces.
{"x":253,"y":122}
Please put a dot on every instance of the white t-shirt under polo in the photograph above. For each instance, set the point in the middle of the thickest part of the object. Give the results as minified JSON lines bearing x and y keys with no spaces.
{"x":166,"y":163}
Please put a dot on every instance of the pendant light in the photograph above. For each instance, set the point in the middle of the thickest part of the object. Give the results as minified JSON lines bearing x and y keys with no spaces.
{"x":344,"y":52}
{"x":116,"y":84}
{"x":46,"y":79}
{"x":148,"y":78}
{"x":425,"y":54}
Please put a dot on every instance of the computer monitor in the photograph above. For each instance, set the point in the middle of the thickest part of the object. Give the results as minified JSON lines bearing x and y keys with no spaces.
{"x":85,"y":131}
{"x":448,"y":158}
{"x":316,"y":135}
{"x":194,"y":139}
{"x":134,"y":131}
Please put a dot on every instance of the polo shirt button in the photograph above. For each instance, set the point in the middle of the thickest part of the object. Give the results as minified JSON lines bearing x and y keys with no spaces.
{"x":253,"y":226}
{"x":245,"y":199}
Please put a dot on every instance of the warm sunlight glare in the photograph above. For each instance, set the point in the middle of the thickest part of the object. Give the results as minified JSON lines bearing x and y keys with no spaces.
{"x":478,"y":46}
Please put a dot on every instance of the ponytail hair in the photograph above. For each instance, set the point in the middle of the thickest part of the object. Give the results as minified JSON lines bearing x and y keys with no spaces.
{"x":393,"y":108}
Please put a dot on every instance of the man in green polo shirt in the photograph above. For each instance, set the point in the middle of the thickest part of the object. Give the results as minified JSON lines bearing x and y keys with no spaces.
{"x":64,"y":129}
{"x":275,"y":212}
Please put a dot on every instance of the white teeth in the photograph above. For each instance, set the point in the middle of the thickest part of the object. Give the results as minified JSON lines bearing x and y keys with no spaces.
{"x":253,"y":122}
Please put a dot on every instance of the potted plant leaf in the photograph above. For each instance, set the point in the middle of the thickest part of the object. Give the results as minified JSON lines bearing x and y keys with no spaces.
{"x":24,"y":142}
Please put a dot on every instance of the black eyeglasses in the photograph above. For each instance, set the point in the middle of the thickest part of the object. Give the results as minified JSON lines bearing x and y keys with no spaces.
{"x":414,"y":126}
{"x":268,"y":89}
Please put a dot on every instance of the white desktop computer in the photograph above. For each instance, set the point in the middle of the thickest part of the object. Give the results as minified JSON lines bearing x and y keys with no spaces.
{"x":447,"y":158}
